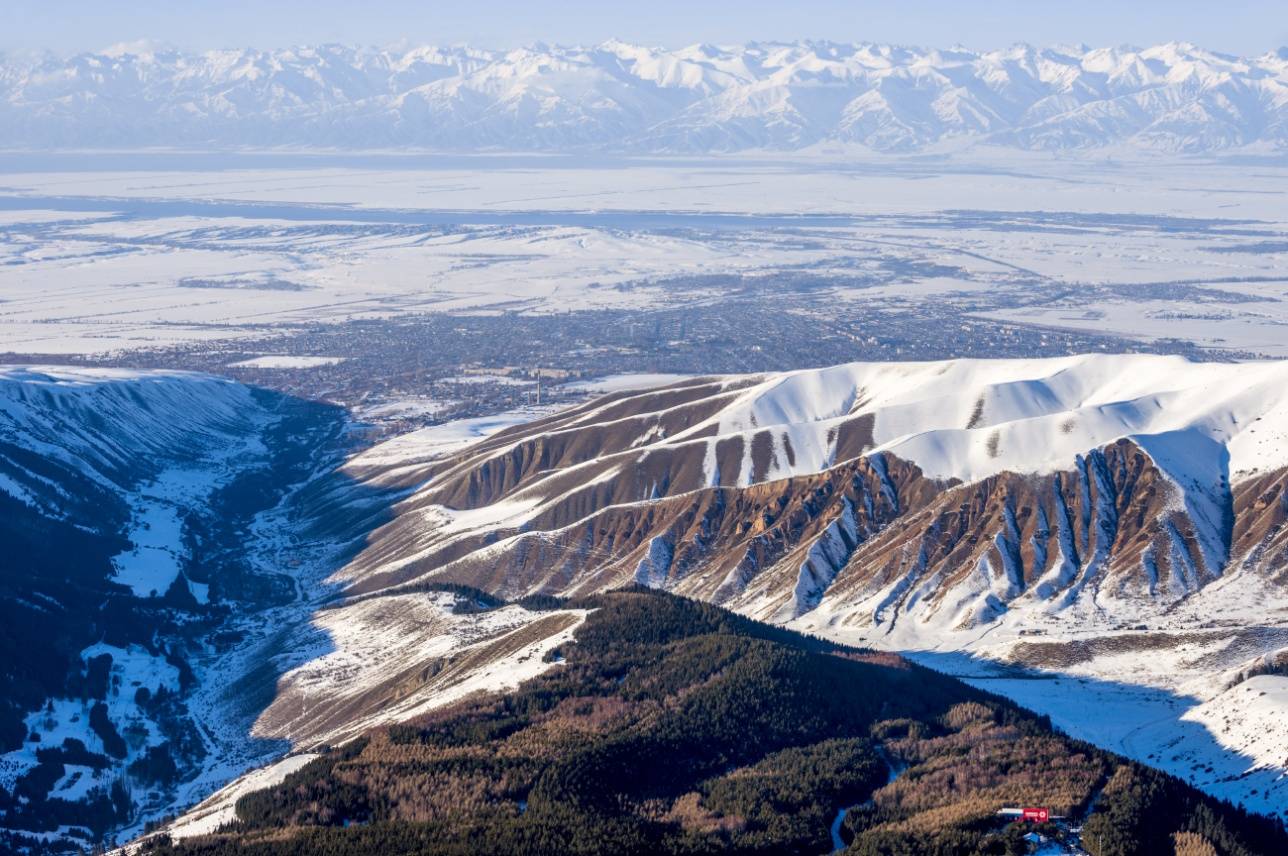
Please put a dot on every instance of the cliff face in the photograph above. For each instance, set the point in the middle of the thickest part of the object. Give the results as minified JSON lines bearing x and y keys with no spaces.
{"x":872,"y":536}
{"x":1260,"y":542}
{"x":1108,"y":532}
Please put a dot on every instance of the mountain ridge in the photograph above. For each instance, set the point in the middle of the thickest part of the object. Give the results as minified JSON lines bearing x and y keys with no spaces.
{"x":129,"y":501}
{"x":1128,"y":507}
{"x":1192,"y":447}
{"x":620,"y":97}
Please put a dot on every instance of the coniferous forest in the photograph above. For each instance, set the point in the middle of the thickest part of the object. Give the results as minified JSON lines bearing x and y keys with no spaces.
{"x":673,"y":727}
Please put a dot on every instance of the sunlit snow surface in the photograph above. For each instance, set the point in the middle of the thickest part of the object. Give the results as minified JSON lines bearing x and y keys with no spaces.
{"x":220,"y":808}
{"x":1167,"y":709}
{"x":278,"y":361}
{"x":320,"y":657}
{"x":1044,"y":412}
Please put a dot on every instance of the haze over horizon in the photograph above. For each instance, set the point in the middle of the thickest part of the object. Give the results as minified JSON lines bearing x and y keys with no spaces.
{"x":1255,"y":27}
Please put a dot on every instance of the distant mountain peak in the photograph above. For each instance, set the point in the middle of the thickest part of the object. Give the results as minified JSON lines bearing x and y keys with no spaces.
{"x":630,"y":98}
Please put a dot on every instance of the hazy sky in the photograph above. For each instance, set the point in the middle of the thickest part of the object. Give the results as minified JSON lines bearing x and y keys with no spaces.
{"x":1235,"y":26}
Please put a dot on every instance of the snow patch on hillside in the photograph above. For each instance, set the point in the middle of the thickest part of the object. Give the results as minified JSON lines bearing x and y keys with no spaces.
{"x":1250,"y":719}
{"x":347,"y":652}
{"x":437,"y":441}
{"x":281,"y":361}
{"x":220,"y":808}
{"x":624,"y":382}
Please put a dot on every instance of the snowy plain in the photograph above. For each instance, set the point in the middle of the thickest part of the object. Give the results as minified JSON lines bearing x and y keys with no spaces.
{"x":102,"y":254}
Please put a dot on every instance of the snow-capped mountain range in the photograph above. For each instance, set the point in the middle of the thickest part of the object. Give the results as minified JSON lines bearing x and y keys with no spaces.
{"x":619,"y":97}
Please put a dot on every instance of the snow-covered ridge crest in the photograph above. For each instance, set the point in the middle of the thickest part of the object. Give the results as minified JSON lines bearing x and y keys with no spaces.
{"x":966,"y":420}
{"x":115,"y":427}
{"x":958,"y":420}
{"x":622,"y":97}
{"x":1205,"y":425}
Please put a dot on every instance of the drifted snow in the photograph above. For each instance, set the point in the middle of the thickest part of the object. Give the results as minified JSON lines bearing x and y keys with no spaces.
{"x":1043,"y":413}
